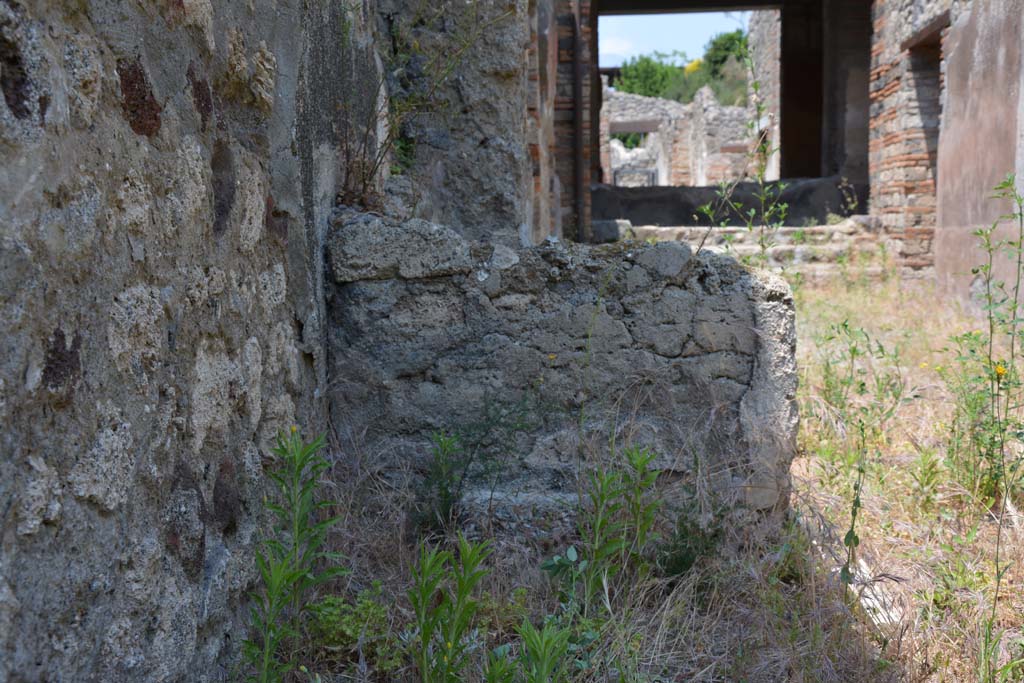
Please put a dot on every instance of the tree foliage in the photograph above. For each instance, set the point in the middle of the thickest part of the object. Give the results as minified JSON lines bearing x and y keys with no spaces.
{"x":672,"y":76}
{"x":650,"y":75}
{"x":723,"y":46}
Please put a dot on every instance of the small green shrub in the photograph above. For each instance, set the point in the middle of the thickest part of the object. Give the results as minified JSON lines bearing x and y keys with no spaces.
{"x":292,"y":560}
{"x":688,"y":543}
{"x":443,"y":485}
{"x":445,"y":609}
{"x":926,"y":475}
{"x":544,"y":652}
{"x":348,"y":631}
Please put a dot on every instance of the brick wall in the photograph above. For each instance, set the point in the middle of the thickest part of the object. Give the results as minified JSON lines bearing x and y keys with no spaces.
{"x":565,"y":110}
{"x":541,"y":93}
{"x":906,"y":96}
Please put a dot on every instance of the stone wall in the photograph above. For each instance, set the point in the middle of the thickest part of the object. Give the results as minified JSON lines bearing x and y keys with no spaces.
{"x":719,"y":143}
{"x":765,"y":41}
{"x":905,"y":88}
{"x":166,"y":172}
{"x":471,"y":157}
{"x":692,"y":357}
{"x":700,"y":143}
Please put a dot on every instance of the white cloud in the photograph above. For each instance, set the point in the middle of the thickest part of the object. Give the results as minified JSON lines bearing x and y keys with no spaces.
{"x":614,"y":45}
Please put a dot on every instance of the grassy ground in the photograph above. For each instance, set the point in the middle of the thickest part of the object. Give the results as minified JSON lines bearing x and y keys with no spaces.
{"x":927,"y":543}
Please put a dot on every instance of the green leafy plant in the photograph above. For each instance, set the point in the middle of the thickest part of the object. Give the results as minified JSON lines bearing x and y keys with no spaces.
{"x":292,"y":560}
{"x":544,"y":652}
{"x":861,"y":379}
{"x":926,"y":475}
{"x":444,"y":483}
{"x":349,"y":631}
{"x":768,"y":212}
{"x":445,"y":609}
{"x":851,"y":541}
{"x":1005,"y":429}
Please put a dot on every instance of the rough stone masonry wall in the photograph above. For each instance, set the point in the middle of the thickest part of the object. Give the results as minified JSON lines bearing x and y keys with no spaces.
{"x":701,"y":143}
{"x":166,"y":172}
{"x":718,"y":140}
{"x":663,"y":120}
{"x":471,"y":166}
{"x":691,"y":356}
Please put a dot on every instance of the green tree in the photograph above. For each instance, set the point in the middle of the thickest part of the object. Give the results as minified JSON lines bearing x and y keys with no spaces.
{"x":723,"y":46}
{"x":648,"y":75}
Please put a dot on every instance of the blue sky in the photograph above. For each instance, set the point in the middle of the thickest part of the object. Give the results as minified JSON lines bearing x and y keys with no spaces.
{"x":621,"y":37}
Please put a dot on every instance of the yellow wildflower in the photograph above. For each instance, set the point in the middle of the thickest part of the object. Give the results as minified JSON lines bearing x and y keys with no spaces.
{"x":924,"y":365}
{"x":693,"y":66}
{"x":552,"y":356}
{"x":1000,"y":370}
{"x":294,"y":429}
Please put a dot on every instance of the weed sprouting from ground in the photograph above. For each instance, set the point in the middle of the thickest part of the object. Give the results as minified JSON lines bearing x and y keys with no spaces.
{"x":935,"y":471}
{"x":292,"y":560}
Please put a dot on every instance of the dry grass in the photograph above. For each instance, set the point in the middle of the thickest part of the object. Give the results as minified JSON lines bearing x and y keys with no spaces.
{"x":929,"y":561}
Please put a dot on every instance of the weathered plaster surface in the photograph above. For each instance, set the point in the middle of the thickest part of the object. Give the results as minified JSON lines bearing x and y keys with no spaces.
{"x":981,"y":128}
{"x":166,"y":170}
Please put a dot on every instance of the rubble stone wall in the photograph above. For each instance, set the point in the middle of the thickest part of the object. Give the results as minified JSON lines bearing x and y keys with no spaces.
{"x":166,"y":173}
{"x":699,"y":143}
{"x":471,"y":163}
{"x":690,"y":356}
{"x":718,"y":140}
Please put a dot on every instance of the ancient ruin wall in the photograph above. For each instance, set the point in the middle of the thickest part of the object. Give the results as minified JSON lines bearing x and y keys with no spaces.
{"x":905,"y":91}
{"x":765,"y":41}
{"x":690,"y":356}
{"x":982,"y":136}
{"x":701,"y":143}
{"x":719,"y":142}
{"x":471,"y":164}
{"x":166,"y":172}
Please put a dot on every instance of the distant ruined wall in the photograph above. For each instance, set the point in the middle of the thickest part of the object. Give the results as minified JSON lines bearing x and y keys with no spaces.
{"x":690,"y":356}
{"x":166,"y":173}
{"x":701,"y":143}
{"x":718,"y":140}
